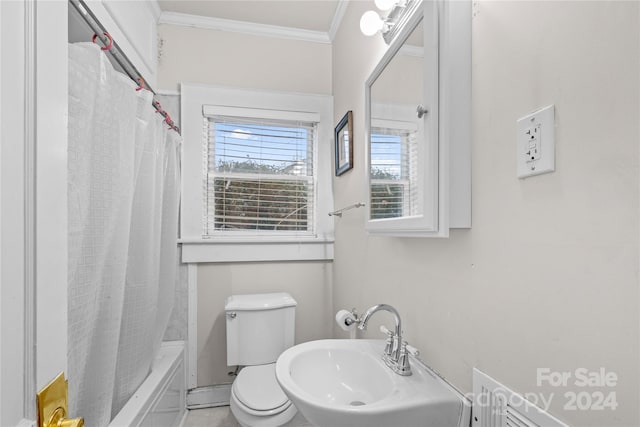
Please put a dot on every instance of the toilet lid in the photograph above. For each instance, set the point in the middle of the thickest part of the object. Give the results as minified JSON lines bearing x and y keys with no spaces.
{"x":257,"y":388}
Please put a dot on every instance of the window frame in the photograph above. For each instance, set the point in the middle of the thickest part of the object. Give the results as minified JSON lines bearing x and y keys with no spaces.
{"x":198,"y":101}
{"x":211,"y":112}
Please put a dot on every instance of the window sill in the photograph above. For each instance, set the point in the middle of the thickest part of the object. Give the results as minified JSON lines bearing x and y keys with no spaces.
{"x":212,"y":251}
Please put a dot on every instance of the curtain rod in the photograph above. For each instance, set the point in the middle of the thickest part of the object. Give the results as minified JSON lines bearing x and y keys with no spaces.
{"x":119,"y":56}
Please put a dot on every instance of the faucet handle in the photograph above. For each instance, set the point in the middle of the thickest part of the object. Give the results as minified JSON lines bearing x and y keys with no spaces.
{"x":403,"y":367}
{"x":386,"y":331}
{"x":411,"y":349}
{"x":388,"y":348}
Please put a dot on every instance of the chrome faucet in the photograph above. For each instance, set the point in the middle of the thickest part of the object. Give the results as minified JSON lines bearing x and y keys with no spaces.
{"x":395,"y":353}
{"x":364,"y":319}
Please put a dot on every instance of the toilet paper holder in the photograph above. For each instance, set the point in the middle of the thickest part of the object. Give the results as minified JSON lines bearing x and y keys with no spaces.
{"x":347,"y":320}
{"x":355,"y":320}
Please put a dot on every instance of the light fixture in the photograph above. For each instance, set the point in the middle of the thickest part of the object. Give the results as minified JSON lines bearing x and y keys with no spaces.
{"x":372,"y":23}
{"x":385,"y":4}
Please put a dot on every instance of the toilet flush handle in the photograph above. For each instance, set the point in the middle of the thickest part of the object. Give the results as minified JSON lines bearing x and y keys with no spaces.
{"x":231,"y":315}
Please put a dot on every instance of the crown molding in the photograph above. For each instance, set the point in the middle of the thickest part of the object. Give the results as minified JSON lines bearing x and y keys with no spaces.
{"x":209,"y":23}
{"x":337,"y":18}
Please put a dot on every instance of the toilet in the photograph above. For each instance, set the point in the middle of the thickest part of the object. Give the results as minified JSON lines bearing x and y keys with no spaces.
{"x":259,"y":328}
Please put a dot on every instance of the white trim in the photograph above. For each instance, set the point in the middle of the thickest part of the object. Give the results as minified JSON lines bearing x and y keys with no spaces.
{"x":317,"y":247}
{"x":2,"y":203}
{"x":192,"y":327}
{"x":155,"y":9}
{"x":337,"y":18}
{"x":17,"y":338}
{"x":259,"y":113}
{"x":450,"y":82}
{"x":51,"y":190}
{"x":455,"y":61}
{"x":209,"y":397}
{"x":168,"y":92}
{"x":30,"y":284}
{"x":409,"y":50}
{"x":256,"y":251}
{"x":156,"y":395}
{"x":219,"y":24}
{"x":432,"y":216}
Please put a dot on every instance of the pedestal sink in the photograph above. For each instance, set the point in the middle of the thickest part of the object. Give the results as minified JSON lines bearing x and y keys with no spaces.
{"x":345,"y":383}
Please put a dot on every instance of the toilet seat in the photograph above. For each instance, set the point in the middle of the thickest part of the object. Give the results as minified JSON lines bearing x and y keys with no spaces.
{"x":257,"y":389}
{"x":248,"y":418}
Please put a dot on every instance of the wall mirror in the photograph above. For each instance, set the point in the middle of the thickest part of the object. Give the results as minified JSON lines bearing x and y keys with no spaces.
{"x":402,"y":137}
{"x":409,"y":140}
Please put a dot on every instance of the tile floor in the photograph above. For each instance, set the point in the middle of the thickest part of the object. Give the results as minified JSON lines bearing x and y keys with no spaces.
{"x":222,"y":417}
{"x":211,"y":417}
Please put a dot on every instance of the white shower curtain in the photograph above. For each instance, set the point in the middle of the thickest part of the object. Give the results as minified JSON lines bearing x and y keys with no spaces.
{"x":123,"y":218}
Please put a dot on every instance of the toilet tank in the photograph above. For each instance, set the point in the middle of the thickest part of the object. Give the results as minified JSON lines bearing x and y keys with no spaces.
{"x":259,"y":327}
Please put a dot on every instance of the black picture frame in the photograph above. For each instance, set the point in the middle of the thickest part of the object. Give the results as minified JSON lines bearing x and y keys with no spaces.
{"x":343,"y":137}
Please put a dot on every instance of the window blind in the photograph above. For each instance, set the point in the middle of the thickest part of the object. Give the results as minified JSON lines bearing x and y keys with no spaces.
{"x":259,"y":176}
{"x":393,"y":178}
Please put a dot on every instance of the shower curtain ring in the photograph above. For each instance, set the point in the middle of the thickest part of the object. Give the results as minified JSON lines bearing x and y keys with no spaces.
{"x":167,"y":120}
{"x":107,"y":35}
{"x":141,"y":84}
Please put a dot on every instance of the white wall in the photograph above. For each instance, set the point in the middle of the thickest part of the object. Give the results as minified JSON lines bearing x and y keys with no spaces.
{"x":548,"y":275}
{"x":240,"y":60}
{"x":308,"y":282}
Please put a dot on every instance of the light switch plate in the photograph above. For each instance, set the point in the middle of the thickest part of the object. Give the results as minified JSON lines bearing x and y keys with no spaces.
{"x":535,"y":143}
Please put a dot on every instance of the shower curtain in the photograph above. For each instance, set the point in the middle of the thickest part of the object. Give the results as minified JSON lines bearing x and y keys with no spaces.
{"x":123,"y":196}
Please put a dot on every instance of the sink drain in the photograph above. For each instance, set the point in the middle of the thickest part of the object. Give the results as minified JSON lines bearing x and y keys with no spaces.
{"x":357,"y":403}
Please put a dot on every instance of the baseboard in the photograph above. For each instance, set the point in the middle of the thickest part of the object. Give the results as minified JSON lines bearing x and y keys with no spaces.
{"x":209,"y":397}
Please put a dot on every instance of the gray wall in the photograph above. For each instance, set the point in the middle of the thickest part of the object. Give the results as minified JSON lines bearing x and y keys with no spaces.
{"x":548,"y":275}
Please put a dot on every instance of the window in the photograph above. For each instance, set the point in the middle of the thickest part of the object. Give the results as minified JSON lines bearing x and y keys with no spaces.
{"x":259,"y":176}
{"x":256,"y":173}
{"x":393,"y":173}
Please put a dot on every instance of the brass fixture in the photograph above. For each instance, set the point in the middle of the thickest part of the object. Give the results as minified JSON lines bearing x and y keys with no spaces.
{"x":53,"y":408}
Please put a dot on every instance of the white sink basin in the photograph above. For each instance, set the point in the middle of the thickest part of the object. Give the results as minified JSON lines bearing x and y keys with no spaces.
{"x":345,"y":383}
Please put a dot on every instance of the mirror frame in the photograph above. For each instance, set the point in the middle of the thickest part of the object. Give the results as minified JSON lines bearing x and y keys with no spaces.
{"x":401,"y":19}
{"x":433,"y":221}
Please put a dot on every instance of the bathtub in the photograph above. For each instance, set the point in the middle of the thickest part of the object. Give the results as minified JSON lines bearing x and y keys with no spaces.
{"x":160,"y":400}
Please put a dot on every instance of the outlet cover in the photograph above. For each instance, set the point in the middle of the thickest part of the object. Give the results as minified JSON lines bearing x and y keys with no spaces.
{"x":535,"y":143}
